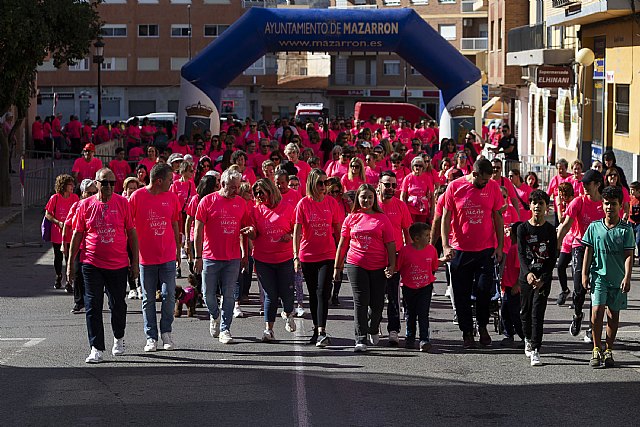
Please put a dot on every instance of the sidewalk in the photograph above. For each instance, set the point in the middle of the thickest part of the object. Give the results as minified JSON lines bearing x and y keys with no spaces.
{"x":11,"y":213}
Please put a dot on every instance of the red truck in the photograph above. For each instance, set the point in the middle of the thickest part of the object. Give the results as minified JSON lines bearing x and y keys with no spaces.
{"x":411,"y":113}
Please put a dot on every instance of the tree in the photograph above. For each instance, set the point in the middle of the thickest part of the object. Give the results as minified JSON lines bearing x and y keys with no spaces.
{"x":30,"y":31}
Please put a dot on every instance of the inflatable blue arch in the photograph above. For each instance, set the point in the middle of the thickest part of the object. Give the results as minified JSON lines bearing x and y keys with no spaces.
{"x":263,"y":30}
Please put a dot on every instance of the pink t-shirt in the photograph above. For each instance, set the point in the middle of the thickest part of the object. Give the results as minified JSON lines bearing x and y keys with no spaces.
{"x":73,"y":129}
{"x":148,"y":163}
{"x":86,"y":170}
{"x":59,"y":206}
{"x":351,"y":184}
{"x":303,"y":172}
{"x":292,"y":197}
{"x":416,"y":267}
{"x":523,"y":193}
{"x":578,"y":187}
{"x":368,"y":234}
{"x":511,"y":268}
{"x":222,"y":218}
{"x":105,"y":227}
{"x":552,"y":190}
{"x":511,"y":189}
{"x":567,"y":241}
{"x":400,"y":218}
{"x":182,"y":149}
{"x":584,"y":211}
{"x":69,"y":223}
{"x":185,"y":190}
{"x":192,"y":208}
{"x":337,"y":169}
{"x":317,"y":220}
{"x":472,"y":214}
{"x":271,"y":225}
{"x":249,"y":176}
{"x":135,"y":153}
{"x":153,"y":216}
{"x":133,"y":134}
{"x":419,"y":188}
{"x":372,"y":175}
{"x":509,"y":216}
{"x":401,"y":173}
{"x":121,"y":170}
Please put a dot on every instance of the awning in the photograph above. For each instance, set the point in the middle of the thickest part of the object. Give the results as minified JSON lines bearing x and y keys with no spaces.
{"x":495,"y":108}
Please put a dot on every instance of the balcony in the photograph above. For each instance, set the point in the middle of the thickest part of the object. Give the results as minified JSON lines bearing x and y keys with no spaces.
{"x":246,"y":4}
{"x":481,"y":5}
{"x":352,"y":79}
{"x":527,"y":46}
{"x":576,"y":12}
{"x":474,"y":43}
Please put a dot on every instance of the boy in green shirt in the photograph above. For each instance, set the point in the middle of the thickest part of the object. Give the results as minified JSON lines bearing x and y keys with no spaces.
{"x":606,"y":271}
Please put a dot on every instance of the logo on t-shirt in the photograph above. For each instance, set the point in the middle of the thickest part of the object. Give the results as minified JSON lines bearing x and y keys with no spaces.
{"x":157,"y":222}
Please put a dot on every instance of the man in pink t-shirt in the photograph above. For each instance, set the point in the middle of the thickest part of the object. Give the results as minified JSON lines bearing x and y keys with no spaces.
{"x":502,"y":181}
{"x":180,"y":146}
{"x":472,"y":206}
{"x":289,"y":195}
{"x":156,"y":212}
{"x":86,"y":166}
{"x":120,"y":168}
{"x":398,"y":213}
{"x":219,"y":218}
{"x":104,"y":225}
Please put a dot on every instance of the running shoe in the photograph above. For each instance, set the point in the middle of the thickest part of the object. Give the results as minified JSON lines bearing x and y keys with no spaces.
{"x":225,"y":337}
{"x":132,"y":294}
{"x":360,"y":348}
{"x":300,"y":311}
{"x":58,"y":283}
{"x":393,"y":339}
{"x":152,"y":345}
{"x":268,"y":335}
{"x":588,"y":336}
{"x":608,"y":359}
{"x":167,"y":341}
{"x":425,"y":346}
{"x":237,"y":312}
{"x":95,"y":356}
{"x":68,"y":288}
{"x":562,"y":297}
{"x":447,"y":293}
{"x":139,"y":292}
{"x":506,"y":342}
{"x":289,"y":323}
{"x":214,"y":326}
{"x":468,"y":341}
{"x":183,"y":254}
{"x":596,"y":358}
{"x":528,"y":350}
{"x":535,"y":358}
{"x":314,"y":338}
{"x":323,"y":340}
{"x":485,"y":338}
{"x":77,"y":309}
{"x":118,"y":346}
{"x":374,"y":339}
{"x":455,"y":319}
{"x":576,"y":325}
{"x":335,"y":301}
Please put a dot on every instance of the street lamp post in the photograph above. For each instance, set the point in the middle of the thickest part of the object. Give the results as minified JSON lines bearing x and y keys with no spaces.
{"x":585,"y":58}
{"x":98,"y":58}
{"x":406,"y":87}
{"x":189,"y":17}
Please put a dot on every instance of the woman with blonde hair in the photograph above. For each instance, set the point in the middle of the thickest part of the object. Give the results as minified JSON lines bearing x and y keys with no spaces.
{"x":355,"y":177}
{"x":417,"y":191}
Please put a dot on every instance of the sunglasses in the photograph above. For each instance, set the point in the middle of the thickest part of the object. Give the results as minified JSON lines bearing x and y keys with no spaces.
{"x":390,"y":184}
{"x":321,"y":183}
{"x":265,"y":146}
{"x":91,"y":193}
{"x":346,"y":155}
{"x":275,"y":159}
{"x":355,"y":166}
{"x":418,"y":166}
{"x":106,"y":182}
{"x":396,"y":163}
{"x":336,"y":192}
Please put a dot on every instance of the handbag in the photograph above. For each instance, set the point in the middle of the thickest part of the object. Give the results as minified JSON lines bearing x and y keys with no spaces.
{"x":46,"y":229}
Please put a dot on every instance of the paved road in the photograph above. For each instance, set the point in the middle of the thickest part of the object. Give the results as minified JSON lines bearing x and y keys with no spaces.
{"x":46,"y":382}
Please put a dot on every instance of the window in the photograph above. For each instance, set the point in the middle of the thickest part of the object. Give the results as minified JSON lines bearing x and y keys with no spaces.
{"x":141,"y":107}
{"x":114,"y":64}
{"x":256,"y":68}
{"x":414,"y":72}
{"x":46,"y":66}
{"x":114,"y":2}
{"x":173,"y":105}
{"x":391,"y":2}
{"x":391,"y":68}
{"x":111,"y":107}
{"x":148,"y":64}
{"x":448,"y":31}
{"x":114,"y":30}
{"x":148,"y":1}
{"x":148,"y":30}
{"x":180,"y":30}
{"x":499,"y":33}
{"x":180,"y":1}
{"x":622,"y":108}
{"x":446,"y":1}
{"x":80,"y":65}
{"x":214,"y":30}
{"x":419,"y":2}
{"x":303,"y":71}
{"x":177,"y":63}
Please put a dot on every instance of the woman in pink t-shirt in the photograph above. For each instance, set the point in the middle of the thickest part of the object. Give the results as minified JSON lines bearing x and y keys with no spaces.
{"x":340,"y":166}
{"x":612,"y":178}
{"x":271,"y":230}
{"x":56,"y":212}
{"x":151,"y":159}
{"x":417,"y":191}
{"x":316,"y":231}
{"x":368,"y":241}
{"x":355,"y":177}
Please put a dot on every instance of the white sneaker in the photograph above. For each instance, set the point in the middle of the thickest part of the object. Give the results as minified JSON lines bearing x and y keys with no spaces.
{"x":394,"y":340}
{"x":268,"y":335}
{"x":300,"y":312}
{"x":447,"y":293}
{"x":214,"y":326}
{"x":237,"y":312}
{"x":283,"y":314}
{"x":535,"y":358}
{"x":374,"y":339}
{"x":225,"y":337}
{"x":527,"y":348}
{"x":183,"y":254}
{"x":132,"y":294}
{"x":167,"y":342}
{"x":151,"y":345}
{"x":360,"y":348}
{"x":289,"y":323}
{"x":118,"y":346}
{"x":95,"y":356}
{"x":433,"y":292}
{"x":139,"y":292}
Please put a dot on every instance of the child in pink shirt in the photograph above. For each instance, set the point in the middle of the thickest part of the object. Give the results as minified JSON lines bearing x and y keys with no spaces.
{"x":510,"y":310}
{"x":417,"y":263}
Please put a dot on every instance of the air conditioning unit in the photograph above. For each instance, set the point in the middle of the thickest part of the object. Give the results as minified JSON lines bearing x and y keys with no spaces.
{"x":467,"y":22}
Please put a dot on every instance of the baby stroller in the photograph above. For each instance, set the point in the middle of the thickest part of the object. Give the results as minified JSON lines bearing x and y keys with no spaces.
{"x":496,"y":299}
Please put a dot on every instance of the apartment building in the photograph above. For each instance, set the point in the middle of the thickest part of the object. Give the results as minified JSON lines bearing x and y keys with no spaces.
{"x":383,"y":77}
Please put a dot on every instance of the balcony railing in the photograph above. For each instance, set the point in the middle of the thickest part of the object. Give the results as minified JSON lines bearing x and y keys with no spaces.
{"x":466,"y":6}
{"x":352,"y":79}
{"x":474,"y":43}
{"x":526,"y":38}
{"x":562,"y":3}
{"x":259,"y":3}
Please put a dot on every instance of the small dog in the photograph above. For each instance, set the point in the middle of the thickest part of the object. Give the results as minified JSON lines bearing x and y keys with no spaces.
{"x":185,"y":296}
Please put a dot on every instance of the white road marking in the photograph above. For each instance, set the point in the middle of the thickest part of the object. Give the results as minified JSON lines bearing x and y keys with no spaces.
{"x":28,"y":342}
{"x":300,"y":397}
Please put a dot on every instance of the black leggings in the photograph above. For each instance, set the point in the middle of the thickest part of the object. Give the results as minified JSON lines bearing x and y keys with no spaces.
{"x":563,"y":262}
{"x":318,"y":277}
{"x":58,"y":256}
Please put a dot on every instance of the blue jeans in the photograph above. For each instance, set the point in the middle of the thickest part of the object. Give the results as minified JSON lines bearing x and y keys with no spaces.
{"x":243,"y":285}
{"x":277,"y":282}
{"x":96,"y":281}
{"x":150,"y":276}
{"x":227,"y":272}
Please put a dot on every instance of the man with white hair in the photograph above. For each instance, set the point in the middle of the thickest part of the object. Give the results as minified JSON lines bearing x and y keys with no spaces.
{"x":219,"y":218}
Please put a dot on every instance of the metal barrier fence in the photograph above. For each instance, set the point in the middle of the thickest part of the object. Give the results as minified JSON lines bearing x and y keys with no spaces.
{"x":528,"y":163}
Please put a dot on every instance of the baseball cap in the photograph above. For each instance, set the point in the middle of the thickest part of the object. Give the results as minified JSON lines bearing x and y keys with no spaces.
{"x":365,"y":144}
{"x":89,"y":147}
{"x":175,"y":157}
{"x":592,"y":176}
{"x":188,"y":158}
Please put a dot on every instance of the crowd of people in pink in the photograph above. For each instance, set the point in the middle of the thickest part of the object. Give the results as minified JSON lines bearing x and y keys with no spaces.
{"x":382,"y":203}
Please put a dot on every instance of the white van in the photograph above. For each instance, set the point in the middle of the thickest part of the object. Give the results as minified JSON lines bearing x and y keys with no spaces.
{"x":309,"y":111}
